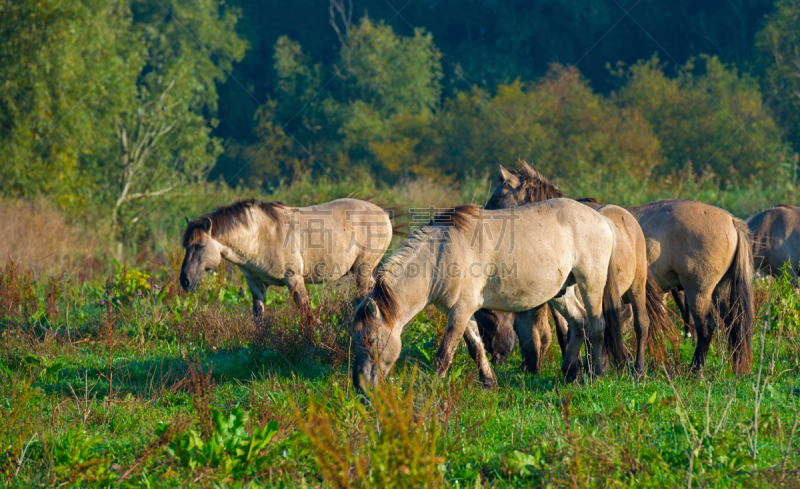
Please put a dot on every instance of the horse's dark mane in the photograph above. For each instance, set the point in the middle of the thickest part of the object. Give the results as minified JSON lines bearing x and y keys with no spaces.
{"x":588,"y":200}
{"x":225,"y":218}
{"x":382,"y":293}
{"x":458,"y":216}
{"x":384,"y":298}
{"x":787,"y":206}
{"x":536,"y":187}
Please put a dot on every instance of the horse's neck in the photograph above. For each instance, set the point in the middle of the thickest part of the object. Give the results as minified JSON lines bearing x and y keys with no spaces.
{"x":415,"y":288}
{"x":246,"y":244}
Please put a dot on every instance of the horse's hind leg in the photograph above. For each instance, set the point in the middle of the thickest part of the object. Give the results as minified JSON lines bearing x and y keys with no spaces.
{"x":593,"y":304}
{"x":472,"y":338}
{"x":533,"y":331}
{"x":700,"y":305}
{"x":562,"y":330}
{"x":637,"y":296}
{"x":689,"y":328}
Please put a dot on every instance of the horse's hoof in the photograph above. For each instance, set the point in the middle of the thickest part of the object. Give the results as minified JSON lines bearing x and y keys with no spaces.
{"x":571,"y":375}
{"x":488,"y":383}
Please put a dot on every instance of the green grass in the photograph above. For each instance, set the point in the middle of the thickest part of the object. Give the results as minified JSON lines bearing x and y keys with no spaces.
{"x":167,"y":389}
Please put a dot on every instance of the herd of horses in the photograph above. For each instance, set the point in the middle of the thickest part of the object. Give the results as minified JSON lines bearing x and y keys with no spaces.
{"x":499,"y":272}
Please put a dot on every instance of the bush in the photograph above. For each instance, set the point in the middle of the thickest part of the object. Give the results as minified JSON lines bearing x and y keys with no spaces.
{"x":230,"y":448}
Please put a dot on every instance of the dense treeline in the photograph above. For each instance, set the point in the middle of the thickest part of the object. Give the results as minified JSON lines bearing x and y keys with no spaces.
{"x":115,"y":108}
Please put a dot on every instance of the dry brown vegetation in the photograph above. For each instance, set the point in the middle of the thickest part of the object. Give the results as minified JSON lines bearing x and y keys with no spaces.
{"x":37,"y":235}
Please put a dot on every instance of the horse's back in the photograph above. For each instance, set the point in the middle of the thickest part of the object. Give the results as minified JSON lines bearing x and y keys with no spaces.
{"x":341,"y":235}
{"x":687,"y":238}
{"x":776,"y":237}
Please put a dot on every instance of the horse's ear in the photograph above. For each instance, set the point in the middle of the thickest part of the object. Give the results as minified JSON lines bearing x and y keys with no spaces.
{"x":372,"y":308}
{"x":207,"y":225}
{"x":508,"y":178}
{"x":187,"y":220}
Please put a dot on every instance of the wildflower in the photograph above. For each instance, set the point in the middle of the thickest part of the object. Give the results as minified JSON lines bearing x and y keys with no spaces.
{"x":102,"y":301}
{"x":140,"y":292}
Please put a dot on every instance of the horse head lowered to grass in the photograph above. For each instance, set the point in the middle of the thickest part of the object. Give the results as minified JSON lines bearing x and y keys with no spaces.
{"x":276,"y":244}
{"x":466,"y":259}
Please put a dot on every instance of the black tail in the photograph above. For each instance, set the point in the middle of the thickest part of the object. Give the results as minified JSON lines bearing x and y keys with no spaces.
{"x":736,"y":307}
{"x":612,"y":307}
{"x":662,"y":329}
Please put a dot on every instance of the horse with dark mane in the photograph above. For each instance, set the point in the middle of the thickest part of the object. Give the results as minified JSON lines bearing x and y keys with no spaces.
{"x":467,"y":259}
{"x":629,"y":259}
{"x":276,"y":244}
{"x":691,"y":246}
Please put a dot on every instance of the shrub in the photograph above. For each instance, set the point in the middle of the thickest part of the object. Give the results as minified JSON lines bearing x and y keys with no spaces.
{"x":229,"y":448}
{"x":399,"y":446}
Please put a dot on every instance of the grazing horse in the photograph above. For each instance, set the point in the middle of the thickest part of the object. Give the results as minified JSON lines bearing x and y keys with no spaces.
{"x":629,"y":260}
{"x":466,"y":259}
{"x":275,"y":244}
{"x":776,"y":240}
{"x":694,"y":247}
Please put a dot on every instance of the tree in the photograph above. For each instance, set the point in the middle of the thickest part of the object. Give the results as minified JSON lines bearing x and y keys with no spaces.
{"x":154,"y":159}
{"x":332,"y":118}
{"x":111,"y":102}
{"x":779,"y":46}
{"x":66,"y":68}
{"x":708,"y":117}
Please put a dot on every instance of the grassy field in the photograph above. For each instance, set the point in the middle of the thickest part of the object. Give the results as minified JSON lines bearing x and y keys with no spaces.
{"x":131,"y":382}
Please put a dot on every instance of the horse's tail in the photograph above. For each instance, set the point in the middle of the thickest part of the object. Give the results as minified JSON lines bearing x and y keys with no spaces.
{"x":612,"y":308}
{"x":662,"y":330}
{"x":736,"y":306}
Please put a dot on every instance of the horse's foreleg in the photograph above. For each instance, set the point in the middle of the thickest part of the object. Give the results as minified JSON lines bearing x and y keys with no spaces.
{"x":297,"y":287}
{"x":533,"y":331}
{"x":457,"y":321}
{"x":259,"y":293}
{"x":472,"y":337}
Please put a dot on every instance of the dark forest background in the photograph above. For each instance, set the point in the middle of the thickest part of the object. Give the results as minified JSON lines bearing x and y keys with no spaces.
{"x":123,"y":115}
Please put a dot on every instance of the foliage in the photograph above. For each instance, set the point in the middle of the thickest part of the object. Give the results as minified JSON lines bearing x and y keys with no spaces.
{"x":108,"y":101}
{"x":400,"y":446}
{"x":200,"y":388}
{"x":777,"y":44}
{"x":18,"y":429}
{"x":75,"y":458}
{"x":230,"y":448}
{"x":378,"y":80}
{"x":711,"y":120}
{"x":65,"y":66}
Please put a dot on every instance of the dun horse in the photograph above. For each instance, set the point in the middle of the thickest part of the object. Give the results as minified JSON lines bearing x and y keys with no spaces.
{"x":466,"y":259}
{"x":275,"y":244}
{"x":629,"y":261}
{"x":695,"y":247}
{"x":776,"y":239}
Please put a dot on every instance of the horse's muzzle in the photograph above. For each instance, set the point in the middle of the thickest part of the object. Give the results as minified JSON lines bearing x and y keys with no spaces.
{"x":186,"y":285}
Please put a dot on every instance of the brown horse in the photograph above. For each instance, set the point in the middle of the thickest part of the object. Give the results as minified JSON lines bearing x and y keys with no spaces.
{"x":776,"y":240}
{"x":691,"y":246}
{"x":467,"y":259}
{"x":629,"y":260}
{"x":275,"y":244}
